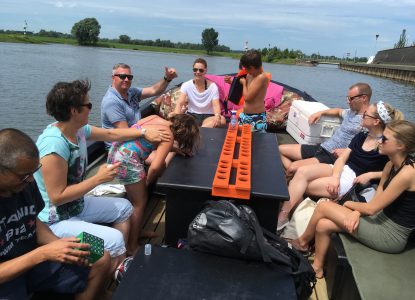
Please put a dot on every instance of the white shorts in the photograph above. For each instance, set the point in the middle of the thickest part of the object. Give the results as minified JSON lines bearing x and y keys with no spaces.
{"x":346,"y":180}
{"x":105,"y":210}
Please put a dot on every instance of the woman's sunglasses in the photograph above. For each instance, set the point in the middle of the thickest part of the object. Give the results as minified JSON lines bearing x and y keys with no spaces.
{"x":365,"y":114}
{"x":123,"y":76}
{"x":200,"y":70}
{"x":383,"y":139}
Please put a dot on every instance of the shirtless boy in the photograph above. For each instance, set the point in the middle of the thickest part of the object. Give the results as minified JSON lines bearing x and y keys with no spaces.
{"x":254,"y":89}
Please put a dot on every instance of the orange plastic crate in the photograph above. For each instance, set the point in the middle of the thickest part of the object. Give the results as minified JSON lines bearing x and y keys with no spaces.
{"x":221,"y":186}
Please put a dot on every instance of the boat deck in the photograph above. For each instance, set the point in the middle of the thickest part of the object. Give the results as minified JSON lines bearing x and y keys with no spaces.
{"x":154,"y":221}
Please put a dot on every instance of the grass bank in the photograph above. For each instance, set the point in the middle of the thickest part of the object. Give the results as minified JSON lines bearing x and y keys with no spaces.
{"x":30,"y":39}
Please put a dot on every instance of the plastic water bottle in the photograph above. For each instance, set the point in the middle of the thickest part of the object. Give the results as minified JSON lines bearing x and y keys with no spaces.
{"x":233,"y":119}
{"x":147,"y":249}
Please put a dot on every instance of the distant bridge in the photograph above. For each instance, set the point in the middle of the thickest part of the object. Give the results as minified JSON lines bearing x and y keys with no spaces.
{"x":327,"y":62}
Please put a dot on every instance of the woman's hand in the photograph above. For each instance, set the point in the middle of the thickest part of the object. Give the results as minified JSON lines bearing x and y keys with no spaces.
{"x":362,"y":179}
{"x":156,"y":135}
{"x":217,"y":120}
{"x":338,"y":152}
{"x":107,"y":172}
{"x":333,"y":186}
{"x":242,"y":80}
{"x":351,"y":222}
{"x":66,"y":250}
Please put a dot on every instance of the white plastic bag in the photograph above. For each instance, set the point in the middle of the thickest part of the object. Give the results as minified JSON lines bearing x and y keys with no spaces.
{"x":299,"y":219}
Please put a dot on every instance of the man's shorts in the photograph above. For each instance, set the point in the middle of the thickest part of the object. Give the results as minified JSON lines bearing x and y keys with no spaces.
{"x":200,"y":117}
{"x":323,"y":156}
{"x":48,"y":277}
{"x":258,"y":122}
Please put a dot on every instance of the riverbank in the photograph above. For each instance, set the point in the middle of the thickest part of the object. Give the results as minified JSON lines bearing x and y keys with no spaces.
{"x":31,"y":39}
{"x":397,"y":72}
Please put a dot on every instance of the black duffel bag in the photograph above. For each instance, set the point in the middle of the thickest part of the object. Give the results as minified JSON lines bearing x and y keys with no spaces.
{"x":230,"y":230}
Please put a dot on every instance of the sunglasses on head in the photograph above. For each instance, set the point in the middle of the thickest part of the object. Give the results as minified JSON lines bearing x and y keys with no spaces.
{"x":89,"y":105}
{"x":123,"y":76}
{"x":197,"y":69}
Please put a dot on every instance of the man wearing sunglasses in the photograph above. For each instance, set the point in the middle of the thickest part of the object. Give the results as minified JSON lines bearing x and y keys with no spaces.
{"x":120,"y":105}
{"x":32,"y":258}
{"x":295,"y":155}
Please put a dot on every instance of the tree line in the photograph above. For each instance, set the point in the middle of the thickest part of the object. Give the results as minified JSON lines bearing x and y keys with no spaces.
{"x":87,"y":31}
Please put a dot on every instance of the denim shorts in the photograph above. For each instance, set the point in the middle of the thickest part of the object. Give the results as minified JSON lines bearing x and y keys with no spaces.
{"x":49,"y":277}
{"x":100,"y":210}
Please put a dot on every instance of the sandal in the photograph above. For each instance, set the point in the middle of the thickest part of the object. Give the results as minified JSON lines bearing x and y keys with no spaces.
{"x":296,"y":246}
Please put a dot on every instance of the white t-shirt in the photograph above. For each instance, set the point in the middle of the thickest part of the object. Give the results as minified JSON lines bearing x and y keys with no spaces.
{"x":200,"y":103}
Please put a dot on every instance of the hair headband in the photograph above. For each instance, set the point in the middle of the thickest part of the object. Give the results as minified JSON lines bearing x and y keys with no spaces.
{"x":383,"y":112}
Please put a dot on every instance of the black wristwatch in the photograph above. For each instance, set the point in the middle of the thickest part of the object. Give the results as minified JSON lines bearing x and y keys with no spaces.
{"x":165,"y":78}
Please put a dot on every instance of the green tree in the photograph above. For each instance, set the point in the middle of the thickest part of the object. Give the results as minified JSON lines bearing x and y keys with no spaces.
{"x":402,"y":40}
{"x":209,"y":39}
{"x":86,"y":31}
{"x":125,"y":39}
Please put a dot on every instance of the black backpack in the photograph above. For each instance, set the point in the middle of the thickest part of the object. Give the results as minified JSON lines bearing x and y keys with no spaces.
{"x":226,"y":229}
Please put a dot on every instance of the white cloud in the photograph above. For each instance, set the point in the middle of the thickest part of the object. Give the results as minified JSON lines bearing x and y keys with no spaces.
{"x":66,"y":4}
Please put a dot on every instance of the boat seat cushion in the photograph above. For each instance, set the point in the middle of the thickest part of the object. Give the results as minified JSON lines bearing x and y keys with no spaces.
{"x":166,"y":103}
{"x":272,"y":97}
{"x":381,"y":275}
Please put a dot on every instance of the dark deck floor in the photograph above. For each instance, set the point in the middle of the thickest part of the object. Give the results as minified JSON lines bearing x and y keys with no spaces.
{"x":154,"y":220}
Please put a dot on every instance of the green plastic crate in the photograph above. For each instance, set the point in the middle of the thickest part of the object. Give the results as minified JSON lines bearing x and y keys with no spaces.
{"x":96,"y":249}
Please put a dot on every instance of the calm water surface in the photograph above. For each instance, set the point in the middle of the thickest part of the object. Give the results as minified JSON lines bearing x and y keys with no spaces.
{"x":30,"y":71}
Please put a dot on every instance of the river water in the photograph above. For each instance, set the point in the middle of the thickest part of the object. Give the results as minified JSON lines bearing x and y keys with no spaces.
{"x":28,"y":72}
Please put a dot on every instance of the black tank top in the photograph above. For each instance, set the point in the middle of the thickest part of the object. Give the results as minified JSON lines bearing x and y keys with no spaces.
{"x":402,"y":210}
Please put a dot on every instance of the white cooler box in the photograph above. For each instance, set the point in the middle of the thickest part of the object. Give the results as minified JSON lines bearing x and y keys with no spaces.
{"x":301,"y":131}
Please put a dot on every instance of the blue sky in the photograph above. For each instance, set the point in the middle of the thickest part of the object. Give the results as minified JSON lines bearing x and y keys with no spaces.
{"x":328,"y":27}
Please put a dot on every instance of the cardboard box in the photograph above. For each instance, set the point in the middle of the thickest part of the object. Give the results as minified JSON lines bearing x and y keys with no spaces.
{"x":304,"y":133}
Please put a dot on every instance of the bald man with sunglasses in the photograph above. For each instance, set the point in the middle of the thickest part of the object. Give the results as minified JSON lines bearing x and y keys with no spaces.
{"x":120,"y":106}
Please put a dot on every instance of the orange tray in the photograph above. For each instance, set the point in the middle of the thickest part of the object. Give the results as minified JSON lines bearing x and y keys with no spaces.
{"x":221,"y":186}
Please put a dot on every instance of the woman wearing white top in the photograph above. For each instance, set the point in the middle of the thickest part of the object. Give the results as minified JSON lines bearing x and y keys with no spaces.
{"x":201,"y":97}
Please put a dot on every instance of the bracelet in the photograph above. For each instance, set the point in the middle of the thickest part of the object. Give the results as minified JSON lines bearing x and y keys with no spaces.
{"x":165,"y":78}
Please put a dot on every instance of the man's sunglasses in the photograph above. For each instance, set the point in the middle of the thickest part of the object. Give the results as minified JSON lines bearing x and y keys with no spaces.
{"x":25,"y":177}
{"x":89,"y":105}
{"x":355,"y":97}
{"x":200,"y":70}
{"x":123,"y":76}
